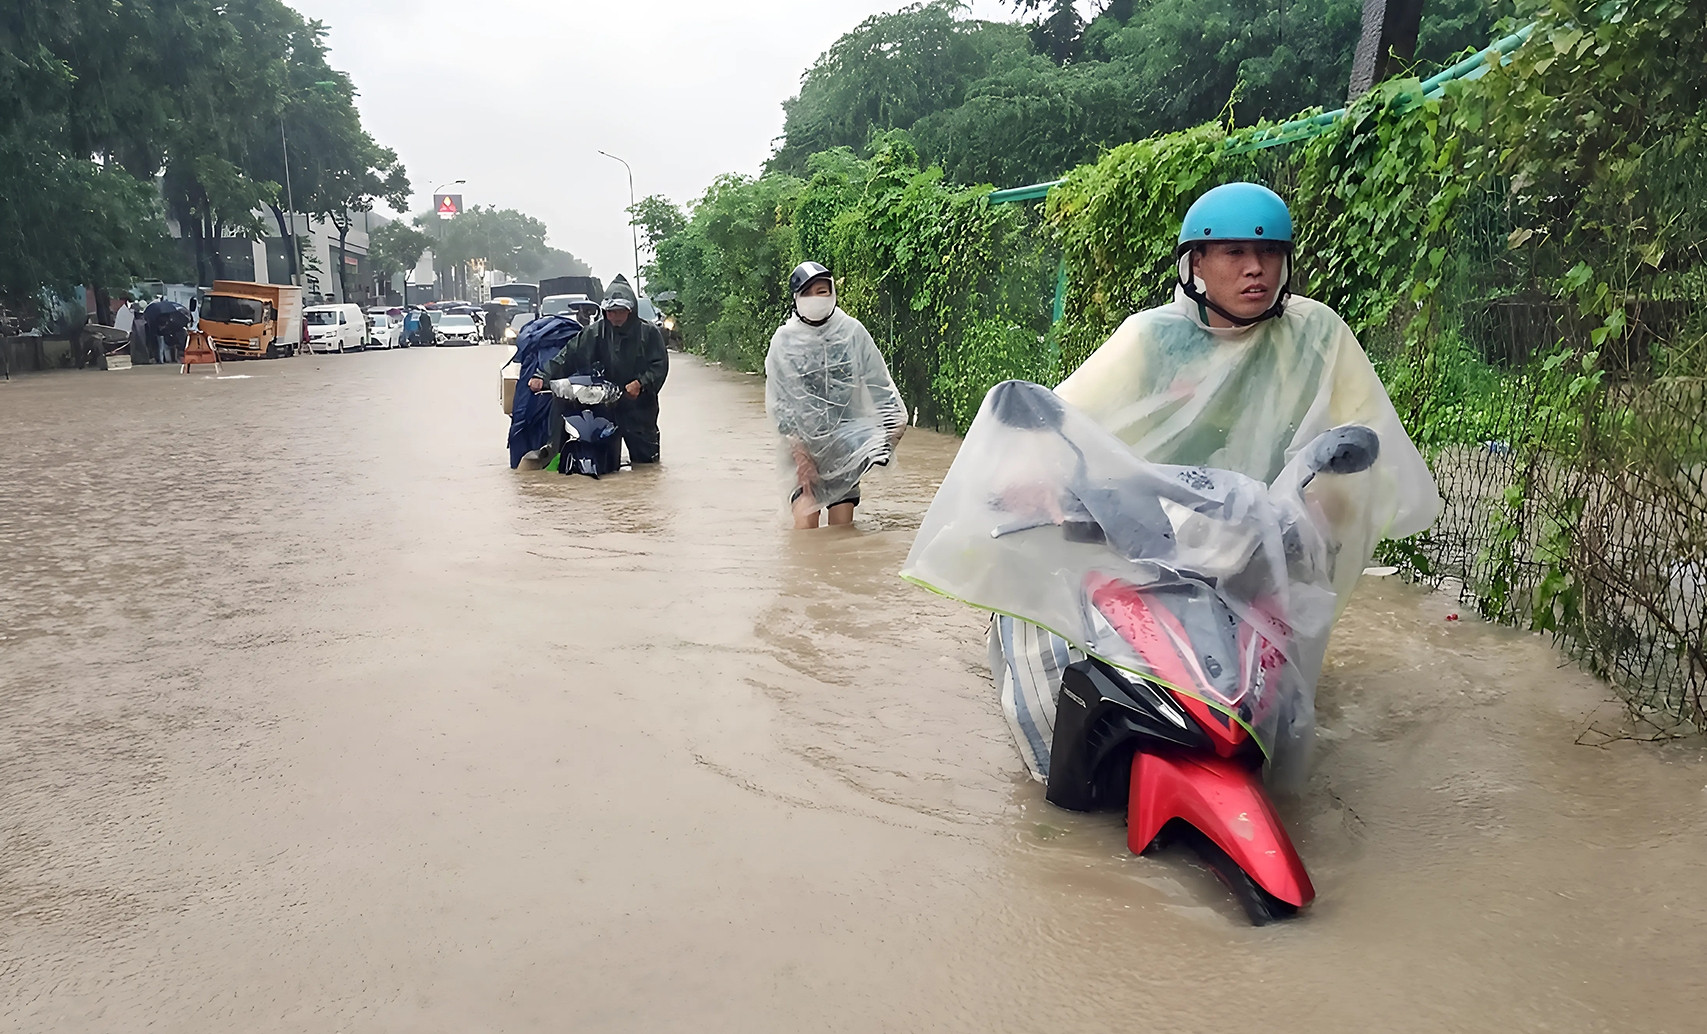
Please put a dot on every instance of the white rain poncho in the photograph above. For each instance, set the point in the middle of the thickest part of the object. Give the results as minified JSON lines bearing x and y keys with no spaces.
{"x":1231,"y":411}
{"x":1247,"y":399}
{"x":832,"y":400}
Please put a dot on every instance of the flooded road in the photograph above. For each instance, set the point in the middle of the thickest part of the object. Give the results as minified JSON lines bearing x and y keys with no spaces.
{"x":316,"y":717}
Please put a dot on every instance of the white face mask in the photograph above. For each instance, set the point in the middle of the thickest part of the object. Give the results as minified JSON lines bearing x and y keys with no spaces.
{"x":815,"y":308}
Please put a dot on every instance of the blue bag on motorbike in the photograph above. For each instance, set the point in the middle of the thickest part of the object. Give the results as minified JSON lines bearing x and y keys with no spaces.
{"x":530,"y":413}
{"x":591,"y":445}
{"x":592,"y":442}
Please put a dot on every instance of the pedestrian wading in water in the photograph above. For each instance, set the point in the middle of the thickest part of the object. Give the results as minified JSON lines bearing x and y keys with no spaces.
{"x":629,"y":352}
{"x":1236,"y":373}
{"x":832,"y":400}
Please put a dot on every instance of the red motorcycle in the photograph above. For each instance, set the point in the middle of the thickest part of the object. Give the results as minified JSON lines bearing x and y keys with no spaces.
{"x":1174,"y":746}
{"x":1196,"y":594}
{"x":1180,"y":766}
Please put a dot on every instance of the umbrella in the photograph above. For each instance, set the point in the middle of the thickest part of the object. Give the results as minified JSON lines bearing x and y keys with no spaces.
{"x":162,"y":313}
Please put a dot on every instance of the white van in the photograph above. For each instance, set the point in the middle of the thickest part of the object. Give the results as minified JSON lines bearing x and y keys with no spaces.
{"x":335,"y":328}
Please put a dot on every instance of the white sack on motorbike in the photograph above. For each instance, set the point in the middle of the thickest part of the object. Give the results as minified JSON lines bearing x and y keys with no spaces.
{"x":597,"y":393}
{"x":834,"y":404}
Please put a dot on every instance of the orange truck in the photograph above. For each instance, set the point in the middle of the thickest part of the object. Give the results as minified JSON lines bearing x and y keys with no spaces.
{"x":254,"y":321}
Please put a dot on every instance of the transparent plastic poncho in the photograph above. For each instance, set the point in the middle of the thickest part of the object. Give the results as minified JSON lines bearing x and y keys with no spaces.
{"x":1176,"y":390}
{"x":1140,"y":489}
{"x":834,"y":405}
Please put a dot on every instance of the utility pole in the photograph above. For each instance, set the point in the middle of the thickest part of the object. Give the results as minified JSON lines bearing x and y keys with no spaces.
{"x":290,"y":199}
{"x":633,"y":234}
{"x":290,"y":207}
{"x":1389,"y":39}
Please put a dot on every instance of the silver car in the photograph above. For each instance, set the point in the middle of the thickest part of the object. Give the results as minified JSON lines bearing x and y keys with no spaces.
{"x":457,"y":328}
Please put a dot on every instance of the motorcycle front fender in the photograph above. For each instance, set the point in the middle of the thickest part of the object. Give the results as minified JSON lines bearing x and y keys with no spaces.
{"x":1224,"y":799}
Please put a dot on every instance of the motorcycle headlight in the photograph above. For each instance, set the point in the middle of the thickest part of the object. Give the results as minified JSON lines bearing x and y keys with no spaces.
{"x":669,"y":323}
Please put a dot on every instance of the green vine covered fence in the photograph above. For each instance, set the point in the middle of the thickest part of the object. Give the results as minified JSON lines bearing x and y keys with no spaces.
{"x":1521,"y":251}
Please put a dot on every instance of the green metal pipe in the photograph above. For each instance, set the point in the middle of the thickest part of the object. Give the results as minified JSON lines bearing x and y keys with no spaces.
{"x":1059,"y":309}
{"x":1503,"y":47}
{"x":1031,"y":193}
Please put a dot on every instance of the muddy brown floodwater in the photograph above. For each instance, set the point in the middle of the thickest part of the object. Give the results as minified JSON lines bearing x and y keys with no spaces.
{"x":314,"y":716}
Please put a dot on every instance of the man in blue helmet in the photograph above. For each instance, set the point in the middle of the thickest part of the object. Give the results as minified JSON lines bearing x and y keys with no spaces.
{"x":1238,"y":373}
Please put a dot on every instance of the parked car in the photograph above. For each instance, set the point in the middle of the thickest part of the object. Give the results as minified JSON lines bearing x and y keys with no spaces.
{"x":559,"y":303}
{"x":457,"y":328}
{"x":383,"y":331}
{"x":335,"y":328}
{"x":517,"y":322}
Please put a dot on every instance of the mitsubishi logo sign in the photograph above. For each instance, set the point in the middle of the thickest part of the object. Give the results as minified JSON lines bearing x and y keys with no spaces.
{"x":447,"y":205}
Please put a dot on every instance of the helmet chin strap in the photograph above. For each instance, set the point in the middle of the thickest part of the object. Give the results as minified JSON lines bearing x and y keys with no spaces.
{"x":1188,"y":284}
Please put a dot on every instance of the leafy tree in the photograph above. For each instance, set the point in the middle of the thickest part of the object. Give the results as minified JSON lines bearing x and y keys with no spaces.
{"x":728,"y":261}
{"x":314,"y":113}
{"x":658,"y":219}
{"x":557,"y":262}
{"x":234,"y":80}
{"x":72,"y":209}
{"x":888,"y":73}
{"x":396,"y":248}
{"x":1602,"y":132}
{"x":371,"y":174}
{"x":498,"y":238}
{"x":1007,"y":105}
{"x":105,"y":100}
{"x":1058,"y":34}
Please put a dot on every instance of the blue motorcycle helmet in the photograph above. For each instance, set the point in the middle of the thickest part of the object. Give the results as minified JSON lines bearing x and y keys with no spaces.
{"x":1235,"y":212}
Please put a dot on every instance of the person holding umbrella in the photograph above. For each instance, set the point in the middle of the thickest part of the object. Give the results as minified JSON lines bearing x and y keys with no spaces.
{"x":167,"y":321}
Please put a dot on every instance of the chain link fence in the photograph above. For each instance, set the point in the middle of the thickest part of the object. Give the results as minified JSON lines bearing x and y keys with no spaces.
{"x":1574,"y":471}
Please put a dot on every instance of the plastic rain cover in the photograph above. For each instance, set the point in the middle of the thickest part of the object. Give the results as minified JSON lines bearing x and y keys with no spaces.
{"x":586,"y":390}
{"x":832,"y":400}
{"x":1048,"y":517}
{"x":1249,"y":400}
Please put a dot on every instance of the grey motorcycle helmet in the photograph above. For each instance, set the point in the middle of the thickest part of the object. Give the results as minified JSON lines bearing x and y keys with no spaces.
{"x":804,"y":274}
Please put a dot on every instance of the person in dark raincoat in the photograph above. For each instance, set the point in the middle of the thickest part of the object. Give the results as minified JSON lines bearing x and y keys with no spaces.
{"x":531,"y":421}
{"x":417,"y":329}
{"x":627,"y":351}
{"x":167,"y":321}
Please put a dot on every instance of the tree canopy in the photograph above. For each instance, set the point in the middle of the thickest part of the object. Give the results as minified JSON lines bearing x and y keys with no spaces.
{"x":498,"y":238}
{"x":104,"y":98}
{"x":1015,"y":103}
{"x":396,"y":248}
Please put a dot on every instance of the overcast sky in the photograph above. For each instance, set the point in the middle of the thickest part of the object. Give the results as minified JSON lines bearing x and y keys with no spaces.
{"x":683,"y":89}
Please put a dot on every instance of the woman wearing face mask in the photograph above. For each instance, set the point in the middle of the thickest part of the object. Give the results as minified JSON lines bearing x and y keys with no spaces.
{"x":831,"y":398}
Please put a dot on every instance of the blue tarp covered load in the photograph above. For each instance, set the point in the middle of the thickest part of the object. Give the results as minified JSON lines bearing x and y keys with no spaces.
{"x":530,"y":414}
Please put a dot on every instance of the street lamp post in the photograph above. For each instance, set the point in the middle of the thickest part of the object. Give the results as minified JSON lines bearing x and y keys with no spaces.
{"x":633,"y":234}
{"x":438,"y":277}
{"x":290,"y":199}
{"x":290,"y":206}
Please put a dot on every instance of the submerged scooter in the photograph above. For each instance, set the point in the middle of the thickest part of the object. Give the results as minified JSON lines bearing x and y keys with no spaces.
{"x":1181,"y":584}
{"x":592,"y":444}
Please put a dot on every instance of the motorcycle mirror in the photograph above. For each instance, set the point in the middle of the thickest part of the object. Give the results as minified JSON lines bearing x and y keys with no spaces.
{"x":1027,"y":405}
{"x":1350,"y":449}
